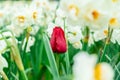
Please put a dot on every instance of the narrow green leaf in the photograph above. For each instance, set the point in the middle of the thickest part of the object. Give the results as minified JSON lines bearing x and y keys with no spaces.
{"x":67,"y":62}
{"x":53,"y":66}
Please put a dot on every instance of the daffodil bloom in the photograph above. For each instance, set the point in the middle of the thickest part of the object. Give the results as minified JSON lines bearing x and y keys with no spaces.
{"x":40,"y":3}
{"x":85,"y":68}
{"x":114,"y":21}
{"x":75,"y":36}
{"x":100,"y":34}
{"x":115,"y":36}
{"x":3,"y":45}
{"x":95,"y":17}
{"x":16,"y":30}
{"x":72,"y":11}
{"x":3,"y":16}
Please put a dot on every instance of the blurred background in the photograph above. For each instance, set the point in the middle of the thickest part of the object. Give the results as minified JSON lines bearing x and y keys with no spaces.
{"x":25,"y":0}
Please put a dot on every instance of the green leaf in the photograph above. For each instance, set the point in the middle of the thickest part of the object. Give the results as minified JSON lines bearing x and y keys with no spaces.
{"x":53,"y":66}
{"x":67,"y":62}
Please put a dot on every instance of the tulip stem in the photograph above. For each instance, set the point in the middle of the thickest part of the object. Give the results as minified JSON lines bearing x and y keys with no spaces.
{"x":67,"y":62}
{"x":66,"y":54}
{"x":57,"y":61}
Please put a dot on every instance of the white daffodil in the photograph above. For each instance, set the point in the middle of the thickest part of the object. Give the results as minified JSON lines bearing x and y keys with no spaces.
{"x":36,"y":16}
{"x":108,"y":14}
{"x":16,"y":30}
{"x":94,"y":16}
{"x":72,"y":11}
{"x":3,"y":46}
{"x":75,"y":36}
{"x":60,"y":13}
{"x":103,"y":71}
{"x":112,"y":5}
{"x":114,"y":20}
{"x":3,"y":63}
{"x":21,"y":17}
{"x":50,"y":29}
{"x":100,"y":34}
{"x":2,"y":17}
{"x":40,"y":3}
{"x":85,"y":68}
{"x":115,"y":36}
{"x":41,"y":12}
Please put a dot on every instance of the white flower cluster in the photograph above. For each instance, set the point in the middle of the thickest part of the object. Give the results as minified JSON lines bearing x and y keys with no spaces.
{"x":97,"y":15}
{"x":17,"y":16}
{"x":72,"y":15}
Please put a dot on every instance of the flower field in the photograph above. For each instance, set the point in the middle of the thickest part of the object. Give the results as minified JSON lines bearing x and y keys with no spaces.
{"x":60,"y":40}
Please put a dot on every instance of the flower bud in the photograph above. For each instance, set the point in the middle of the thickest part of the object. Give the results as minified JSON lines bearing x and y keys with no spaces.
{"x":57,"y":41}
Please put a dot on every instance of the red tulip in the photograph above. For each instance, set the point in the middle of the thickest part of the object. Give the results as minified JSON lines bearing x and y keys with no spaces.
{"x":57,"y":41}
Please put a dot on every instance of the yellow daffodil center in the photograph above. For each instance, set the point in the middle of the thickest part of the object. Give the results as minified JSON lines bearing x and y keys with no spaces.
{"x":74,"y":33}
{"x":34,"y":15}
{"x":113,"y":21}
{"x":1,"y":14}
{"x":29,"y":29}
{"x":76,"y":44}
{"x":105,"y":32}
{"x":95,"y":14}
{"x":74,"y":7}
{"x":44,"y":3}
{"x":21,"y":19}
{"x":37,"y":4}
{"x":97,"y":72}
{"x":114,"y":1}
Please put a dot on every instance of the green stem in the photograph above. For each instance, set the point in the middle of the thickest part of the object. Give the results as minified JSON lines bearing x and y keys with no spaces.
{"x":85,"y":44}
{"x":67,"y":62}
{"x":104,"y":51}
{"x":24,"y":51}
{"x":110,"y":31}
{"x":66,"y":54}
{"x":86,"y":38}
{"x":24,"y":77}
{"x":57,"y":61}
